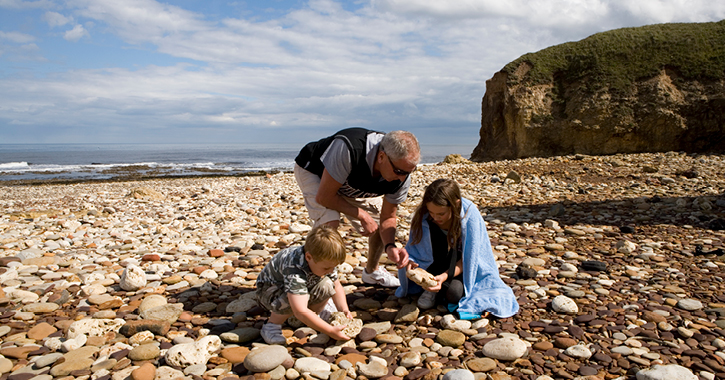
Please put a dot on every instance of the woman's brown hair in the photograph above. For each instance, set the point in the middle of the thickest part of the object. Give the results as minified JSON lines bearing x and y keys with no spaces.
{"x":442,"y":192}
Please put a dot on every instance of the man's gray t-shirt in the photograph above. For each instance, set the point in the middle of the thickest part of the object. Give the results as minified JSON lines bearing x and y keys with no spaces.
{"x":338,"y":163}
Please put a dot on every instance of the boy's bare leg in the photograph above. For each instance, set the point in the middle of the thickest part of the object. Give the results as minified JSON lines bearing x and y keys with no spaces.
{"x":278,"y":319}
{"x":319,"y":307}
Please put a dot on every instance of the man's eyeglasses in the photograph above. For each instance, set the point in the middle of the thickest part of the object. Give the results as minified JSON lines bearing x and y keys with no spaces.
{"x":396,"y":170}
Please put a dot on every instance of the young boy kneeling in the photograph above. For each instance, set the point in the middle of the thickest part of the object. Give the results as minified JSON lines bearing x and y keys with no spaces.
{"x":299,"y":281}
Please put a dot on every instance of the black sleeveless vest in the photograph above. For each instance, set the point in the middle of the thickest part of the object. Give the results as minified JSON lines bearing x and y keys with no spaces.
{"x":360,"y":183}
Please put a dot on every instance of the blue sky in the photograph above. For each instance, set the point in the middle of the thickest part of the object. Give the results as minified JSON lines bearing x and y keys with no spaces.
{"x":135,"y":71}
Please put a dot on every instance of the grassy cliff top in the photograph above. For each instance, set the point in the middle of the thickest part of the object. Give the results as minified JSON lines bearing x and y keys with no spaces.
{"x":619,"y":57}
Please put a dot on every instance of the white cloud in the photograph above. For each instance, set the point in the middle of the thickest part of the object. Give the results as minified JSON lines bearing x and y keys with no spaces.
{"x":76,"y":33}
{"x":20,"y":4}
{"x":659,"y":11}
{"x":139,"y":20}
{"x":410,"y":64}
{"x":564,"y":18}
{"x":17,"y":37}
{"x":55,"y":19}
{"x":547,"y":11}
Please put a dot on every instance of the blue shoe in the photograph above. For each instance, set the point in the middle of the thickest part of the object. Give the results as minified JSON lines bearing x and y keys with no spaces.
{"x":468,"y":316}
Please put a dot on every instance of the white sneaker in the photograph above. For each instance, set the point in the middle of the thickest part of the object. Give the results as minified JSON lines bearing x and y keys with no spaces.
{"x":330,"y":308}
{"x":427,"y":300}
{"x":272,"y":334}
{"x":380,"y":276}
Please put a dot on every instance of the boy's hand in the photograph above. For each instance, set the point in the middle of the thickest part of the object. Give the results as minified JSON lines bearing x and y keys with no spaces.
{"x":337,"y":334}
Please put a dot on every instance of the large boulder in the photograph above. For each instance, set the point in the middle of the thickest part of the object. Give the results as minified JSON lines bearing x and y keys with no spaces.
{"x":654,"y":88}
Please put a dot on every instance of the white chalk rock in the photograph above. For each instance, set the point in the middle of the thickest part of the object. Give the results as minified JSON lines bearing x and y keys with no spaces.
{"x":22,"y":296}
{"x":95,"y":289}
{"x":298,"y":228}
{"x":188,"y":354}
{"x":94,"y":327}
{"x":564,"y":304}
{"x":151,"y":302}
{"x":579,"y":351}
{"x":167,"y":373}
{"x":9,"y":274}
{"x":90,"y":278}
{"x":169,"y":312}
{"x":450,"y":322}
{"x":74,"y":344}
{"x":133,"y":278}
{"x":507,"y":348}
{"x":314,"y":366}
{"x":54,"y":344}
{"x":666,"y":372}
{"x":626,"y":246}
{"x":209,"y":274}
{"x":372,"y":370}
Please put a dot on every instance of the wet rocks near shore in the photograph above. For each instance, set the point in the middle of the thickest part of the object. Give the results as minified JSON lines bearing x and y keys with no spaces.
{"x":617,"y":263}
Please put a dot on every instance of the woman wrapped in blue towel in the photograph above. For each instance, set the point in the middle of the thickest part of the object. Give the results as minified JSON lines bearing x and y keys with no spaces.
{"x":448,"y":238}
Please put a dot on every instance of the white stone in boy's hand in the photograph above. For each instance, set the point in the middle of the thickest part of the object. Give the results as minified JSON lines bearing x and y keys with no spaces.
{"x":353,"y":325}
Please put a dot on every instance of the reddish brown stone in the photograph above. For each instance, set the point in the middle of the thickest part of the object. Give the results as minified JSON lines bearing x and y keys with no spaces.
{"x":112,"y":304}
{"x":216,"y":253}
{"x":562,"y":342}
{"x":151,"y":257}
{"x":235,"y":354}
{"x":543,"y":346}
{"x":147,"y":371}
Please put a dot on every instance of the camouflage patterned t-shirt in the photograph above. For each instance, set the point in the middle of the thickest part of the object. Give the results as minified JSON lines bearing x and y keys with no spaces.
{"x":289,"y":269}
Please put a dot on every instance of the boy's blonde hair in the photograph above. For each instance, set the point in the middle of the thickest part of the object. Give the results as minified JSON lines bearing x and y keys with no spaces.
{"x":324,"y":243}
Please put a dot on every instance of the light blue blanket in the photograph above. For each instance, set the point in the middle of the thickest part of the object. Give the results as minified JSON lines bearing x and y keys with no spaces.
{"x":485,"y":291}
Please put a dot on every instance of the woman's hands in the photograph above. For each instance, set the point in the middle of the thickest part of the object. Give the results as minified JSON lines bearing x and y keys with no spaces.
{"x":441,"y":278}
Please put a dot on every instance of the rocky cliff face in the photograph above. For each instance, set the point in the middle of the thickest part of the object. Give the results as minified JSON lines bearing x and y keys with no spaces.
{"x":585,"y":109}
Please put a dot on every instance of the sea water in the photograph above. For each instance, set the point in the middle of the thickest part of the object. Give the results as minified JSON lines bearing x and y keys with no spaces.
{"x":119,"y":161}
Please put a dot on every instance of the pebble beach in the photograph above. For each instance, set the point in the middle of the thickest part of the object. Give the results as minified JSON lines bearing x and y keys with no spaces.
{"x":617,"y":262}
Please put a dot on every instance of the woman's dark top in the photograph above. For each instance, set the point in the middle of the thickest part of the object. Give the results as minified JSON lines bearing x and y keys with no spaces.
{"x":442,"y":263}
{"x":439,"y":242}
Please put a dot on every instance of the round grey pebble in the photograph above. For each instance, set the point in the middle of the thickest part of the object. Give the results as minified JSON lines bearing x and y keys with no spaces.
{"x":689,"y":304}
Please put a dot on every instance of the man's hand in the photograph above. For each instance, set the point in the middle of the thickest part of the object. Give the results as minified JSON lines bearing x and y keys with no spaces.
{"x":411,"y":265}
{"x":398,"y":255}
{"x":369,"y":225}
